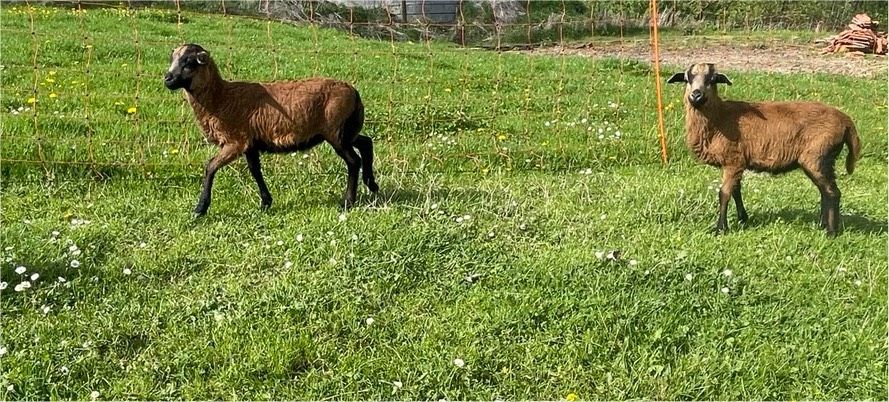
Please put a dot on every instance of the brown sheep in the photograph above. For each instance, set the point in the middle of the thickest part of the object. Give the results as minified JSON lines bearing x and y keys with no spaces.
{"x":774,"y":137}
{"x":248,"y":118}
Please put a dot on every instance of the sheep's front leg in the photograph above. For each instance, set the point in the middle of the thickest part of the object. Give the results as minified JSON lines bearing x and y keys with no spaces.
{"x":731,"y":179}
{"x":252,"y":156}
{"x":226,"y":155}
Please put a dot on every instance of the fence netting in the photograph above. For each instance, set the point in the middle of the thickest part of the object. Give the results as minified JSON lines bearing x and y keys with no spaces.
{"x":450,"y":86}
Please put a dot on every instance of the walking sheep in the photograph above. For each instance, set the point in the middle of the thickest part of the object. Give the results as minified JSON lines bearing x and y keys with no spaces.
{"x":248,"y":118}
{"x":774,"y":137}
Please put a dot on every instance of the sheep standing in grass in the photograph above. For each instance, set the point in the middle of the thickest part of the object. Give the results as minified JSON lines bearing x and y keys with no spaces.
{"x":774,"y":137}
{"x":248,"y":118}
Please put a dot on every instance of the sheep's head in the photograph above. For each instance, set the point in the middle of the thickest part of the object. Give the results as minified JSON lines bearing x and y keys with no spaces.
{"x":187,"y":62}
{"x":701,"y":80}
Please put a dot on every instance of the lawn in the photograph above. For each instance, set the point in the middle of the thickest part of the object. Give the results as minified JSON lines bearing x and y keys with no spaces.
{"x":505,"y":179}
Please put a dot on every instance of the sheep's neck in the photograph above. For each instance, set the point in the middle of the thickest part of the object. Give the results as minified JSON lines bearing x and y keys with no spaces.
{"x":699,"y":126}
{"x":210,"y":96}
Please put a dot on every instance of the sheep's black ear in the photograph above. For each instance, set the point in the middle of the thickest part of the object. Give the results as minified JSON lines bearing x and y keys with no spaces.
{"x":678,"y":77}
{"x":721,"y":79}
{"x":202,"y":57}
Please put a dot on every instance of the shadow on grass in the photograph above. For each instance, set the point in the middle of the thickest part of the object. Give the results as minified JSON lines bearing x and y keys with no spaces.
{"x":849,"y":222}
{"x":417,"y":198}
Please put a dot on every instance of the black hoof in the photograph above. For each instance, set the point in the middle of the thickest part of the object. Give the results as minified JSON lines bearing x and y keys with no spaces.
{"x":372,"y":186}
{"x":265,"y":205}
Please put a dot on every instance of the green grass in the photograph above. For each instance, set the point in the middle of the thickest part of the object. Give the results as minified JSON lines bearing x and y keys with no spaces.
{"x":213,"y":310}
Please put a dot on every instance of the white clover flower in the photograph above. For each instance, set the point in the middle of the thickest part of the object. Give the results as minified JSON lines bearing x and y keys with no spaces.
{"x":64,"y":370}
{"x":342,"y":217}
{"x":491,"y":235}
{"x":62,"y":280}
{"x":143,"y":245}
{"x":689,"y":277}
{"x":299,"y":238}
{"x":279,"y":243}
{"x":75,"y":264}
{"x":72,"y":247}
{"x":857,"y":282}
{"x":288,"y":265}
{"x":397,"y":384}
{"x":20,"y":270}
{"x":46,"y":309}
{"x":2,"y":350}
{"x":727,"y":273}
{"x":369,"y":321}
{"x":600,"y":254}
{"x":724,"y":290}
{"x":55,"y":234}
{"x":459,"y":362}
{"x":94,"y":395}
{"x":466,"y":217}
{"x":3,"y":285}
{"x":127,"y":271}
{"x":633,"y":262}
{"x":354,"y":237}
{"x":35,"y":276}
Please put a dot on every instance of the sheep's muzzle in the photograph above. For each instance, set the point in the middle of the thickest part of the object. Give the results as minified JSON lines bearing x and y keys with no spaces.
{"x":696,"y":98}
{"x":174,"y":82}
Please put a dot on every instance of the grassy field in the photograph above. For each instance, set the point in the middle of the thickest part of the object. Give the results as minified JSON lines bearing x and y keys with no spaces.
{"x":504,"y":178}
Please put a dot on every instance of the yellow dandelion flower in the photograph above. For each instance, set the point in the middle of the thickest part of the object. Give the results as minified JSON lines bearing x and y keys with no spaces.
{"x":485,"y":171}
{"x":50,"y":80}
{"x":447,"y":89}
{"x":32,"y":100}
{"x":52,"y":73}
{"x":118,"y":103}
{"x":571,"y":397}
{"x":174,"y":151}
{"x":53,"y":95}
{"x":131,"y":110}
{"x":501,"y":137}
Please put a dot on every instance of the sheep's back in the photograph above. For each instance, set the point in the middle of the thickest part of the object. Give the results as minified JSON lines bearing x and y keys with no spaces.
{"x":774,"y":135}
{"x":292,"y":113}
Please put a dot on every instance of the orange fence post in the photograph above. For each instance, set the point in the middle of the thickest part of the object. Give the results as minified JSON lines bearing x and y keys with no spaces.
{"x":655,"y":53}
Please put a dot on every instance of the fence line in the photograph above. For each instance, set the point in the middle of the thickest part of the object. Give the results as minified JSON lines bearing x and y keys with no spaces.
{"x":410,"y":95}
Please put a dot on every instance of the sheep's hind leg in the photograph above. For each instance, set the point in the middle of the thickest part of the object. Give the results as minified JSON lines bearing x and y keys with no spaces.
{"x":731,"y":180}
{"x":353,"y":164}
{"x":365,"y":146}
{"x":252,"y":156}
{"x":739,"y":204}
{"x":825,"y":180}
{"x":225,"y":156}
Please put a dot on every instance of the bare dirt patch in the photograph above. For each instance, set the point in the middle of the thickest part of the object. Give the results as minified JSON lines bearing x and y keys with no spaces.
{"x":771,"y":56}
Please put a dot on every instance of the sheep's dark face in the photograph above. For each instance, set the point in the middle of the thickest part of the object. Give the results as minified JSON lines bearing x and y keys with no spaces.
{"x":701,"y":80}
{"x":186,"y":61}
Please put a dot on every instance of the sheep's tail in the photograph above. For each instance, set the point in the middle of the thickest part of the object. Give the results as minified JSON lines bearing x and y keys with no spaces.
{"x":355,"y":121}
{"x":851,"y":140}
